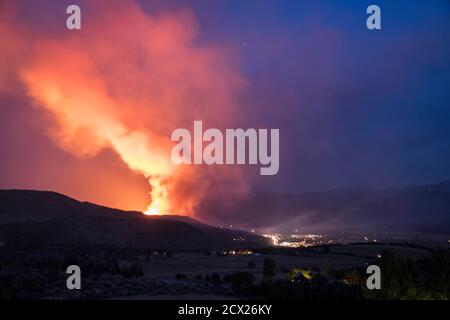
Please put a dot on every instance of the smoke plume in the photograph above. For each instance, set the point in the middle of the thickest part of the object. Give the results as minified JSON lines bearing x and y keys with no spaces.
{"x":124,"y":82}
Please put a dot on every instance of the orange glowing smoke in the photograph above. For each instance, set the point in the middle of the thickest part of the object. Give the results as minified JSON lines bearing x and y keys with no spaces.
{"x":124,"y":82}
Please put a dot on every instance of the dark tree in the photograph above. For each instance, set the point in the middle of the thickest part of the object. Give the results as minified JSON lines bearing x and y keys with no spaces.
{"x":242,"y":283}
{"x":268,"y":268}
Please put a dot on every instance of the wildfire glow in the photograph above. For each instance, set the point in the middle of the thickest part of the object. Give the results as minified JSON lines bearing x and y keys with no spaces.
{"x":151,"y":211}
{"x":130,"y":97}
{"x":159,"y":204}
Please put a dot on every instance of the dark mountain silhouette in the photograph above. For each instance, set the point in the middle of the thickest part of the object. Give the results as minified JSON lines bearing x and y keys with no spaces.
{"x":48,"y":218}
{"x":415,"y":208}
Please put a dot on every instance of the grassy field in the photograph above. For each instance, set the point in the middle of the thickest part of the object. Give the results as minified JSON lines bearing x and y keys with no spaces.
{"x":196,"y":267}
{"x":373,"y":250}
{"x":338,"y":257}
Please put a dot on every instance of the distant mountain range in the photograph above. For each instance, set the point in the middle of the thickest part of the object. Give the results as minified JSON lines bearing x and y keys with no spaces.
{"x":30,"y":217}
{"x":42,"y":217}
{"x":415,"y":208}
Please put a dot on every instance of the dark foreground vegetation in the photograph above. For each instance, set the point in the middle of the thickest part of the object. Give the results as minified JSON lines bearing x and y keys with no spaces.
{"x":402,"y":279}
{"x":40,"y":273}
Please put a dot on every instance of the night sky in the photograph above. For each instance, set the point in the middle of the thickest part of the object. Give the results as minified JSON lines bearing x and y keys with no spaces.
{"x":354,"y":106}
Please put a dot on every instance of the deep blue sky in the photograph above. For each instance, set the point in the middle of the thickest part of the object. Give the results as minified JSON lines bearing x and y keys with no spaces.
{"x":354,"y":106}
